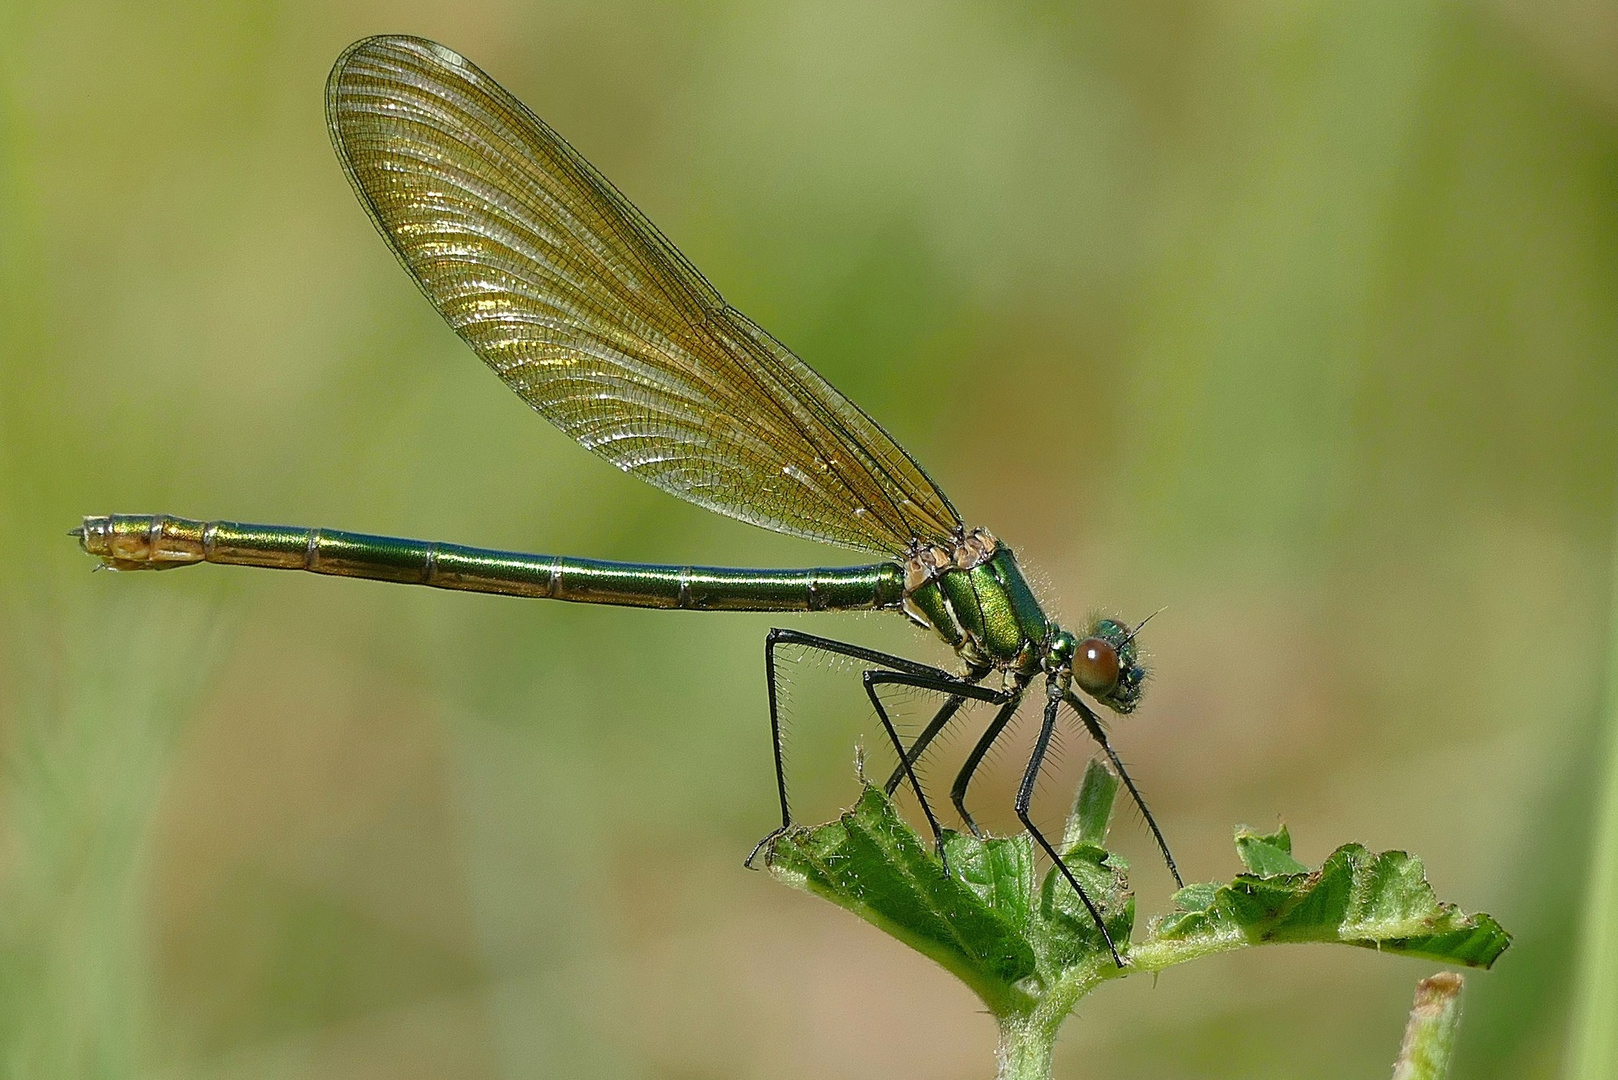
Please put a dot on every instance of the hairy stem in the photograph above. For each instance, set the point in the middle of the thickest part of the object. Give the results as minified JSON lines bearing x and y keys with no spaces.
{"x":1025,"y":1048}
{"x":1430,"y":1036}
{"x":1027,"y":1037}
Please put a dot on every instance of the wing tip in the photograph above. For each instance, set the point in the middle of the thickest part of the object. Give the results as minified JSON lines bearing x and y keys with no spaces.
{"x":381,"y":44}
{"x":377,"y":51}
{"x":378,"y":47}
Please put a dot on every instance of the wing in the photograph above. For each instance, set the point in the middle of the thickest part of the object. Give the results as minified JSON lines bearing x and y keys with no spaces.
{"x":576,"y":300}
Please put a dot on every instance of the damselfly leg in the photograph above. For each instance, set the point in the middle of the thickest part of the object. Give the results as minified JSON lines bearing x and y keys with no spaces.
{"x":1025,"y":796}
{"x":957,"y":791}
{"x":992,"y":733}
{"x":1092,"y":724}
{"x":936,"y":678}
{"x":952,"y":686}
{"x":890,"y":670}
{"x":941,"y":720}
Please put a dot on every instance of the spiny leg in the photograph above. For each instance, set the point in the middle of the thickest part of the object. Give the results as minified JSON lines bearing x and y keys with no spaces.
{"x":957,"y":791}
{"x":940,"y":720}
{"x":1092,"y":723}
{"x":1025,"y":796}
{"x":780,"y":636}
{"x":955,"y":687}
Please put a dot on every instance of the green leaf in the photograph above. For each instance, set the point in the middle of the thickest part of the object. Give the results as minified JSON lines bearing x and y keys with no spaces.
{"x":1267,"y":855}
{"x":1196,"y":897}
{"x":871,"y":862}
{"x":1000,"y":870}
{"x":1379,"y":901}
{"x":1092,"y":809}
{"x":1028,"y":946}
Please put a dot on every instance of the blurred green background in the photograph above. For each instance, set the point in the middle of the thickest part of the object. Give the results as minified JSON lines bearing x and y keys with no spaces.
{"x":1299,"y":319}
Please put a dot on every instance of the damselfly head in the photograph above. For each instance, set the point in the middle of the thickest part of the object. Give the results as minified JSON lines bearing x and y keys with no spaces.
{"x":1095,"y":667}
{"x":1106,"y":665}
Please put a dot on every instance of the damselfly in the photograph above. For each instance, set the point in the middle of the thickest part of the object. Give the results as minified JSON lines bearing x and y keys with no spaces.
{"x":589,"y":313}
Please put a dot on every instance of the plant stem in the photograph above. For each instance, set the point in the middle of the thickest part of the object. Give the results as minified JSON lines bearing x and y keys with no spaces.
{"x":1594,"y":1051}
{"x":1025,"y":1048}
{"x":1026,"y":1038}
{"x":1430,"y":1036}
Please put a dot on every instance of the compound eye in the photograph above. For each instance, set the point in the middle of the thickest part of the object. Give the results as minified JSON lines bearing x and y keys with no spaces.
{"x":1095,"y":668}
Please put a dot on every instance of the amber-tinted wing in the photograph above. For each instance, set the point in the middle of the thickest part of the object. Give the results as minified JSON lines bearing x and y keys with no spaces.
{"x":576,"y":300}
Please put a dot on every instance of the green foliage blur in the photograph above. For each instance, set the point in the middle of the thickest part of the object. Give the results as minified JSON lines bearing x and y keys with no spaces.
{"x":1299,"y":319}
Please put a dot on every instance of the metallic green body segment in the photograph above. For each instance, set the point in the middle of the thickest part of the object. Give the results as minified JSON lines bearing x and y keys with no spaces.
{"x":987,"y":613}
{"x":930,"y":602}
{"x":1002,"y":635}
{"x":1030,"y":617}
{"x":963,"y":601}
{"x":158,"y":542}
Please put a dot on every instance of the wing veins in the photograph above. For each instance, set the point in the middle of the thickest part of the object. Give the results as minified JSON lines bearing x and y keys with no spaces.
{"x":586,"y":309}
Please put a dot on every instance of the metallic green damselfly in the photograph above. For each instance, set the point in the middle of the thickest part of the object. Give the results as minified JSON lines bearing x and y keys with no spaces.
{"x":589,"y":313}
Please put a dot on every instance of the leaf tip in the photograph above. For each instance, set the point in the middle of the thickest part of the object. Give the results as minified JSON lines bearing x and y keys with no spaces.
{"x":1087,"y":822}
{"x":1267,"y":854}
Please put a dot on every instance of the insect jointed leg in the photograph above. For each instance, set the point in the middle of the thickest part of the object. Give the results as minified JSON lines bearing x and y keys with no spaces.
{"x":887,"y":668}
